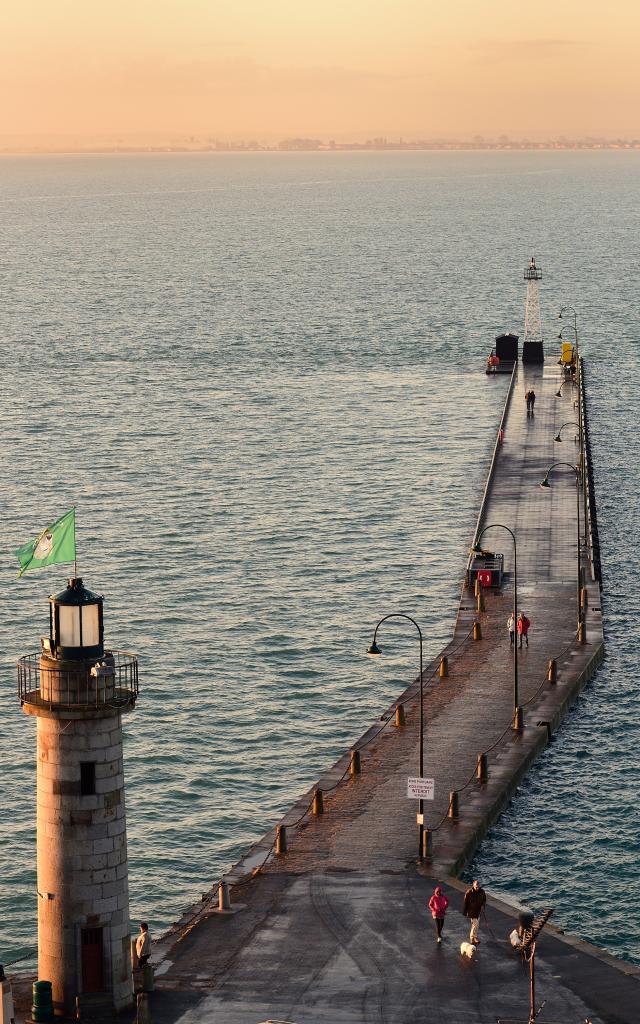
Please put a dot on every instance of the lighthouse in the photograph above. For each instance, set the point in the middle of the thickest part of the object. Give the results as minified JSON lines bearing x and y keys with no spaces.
{"x":78,"y":691}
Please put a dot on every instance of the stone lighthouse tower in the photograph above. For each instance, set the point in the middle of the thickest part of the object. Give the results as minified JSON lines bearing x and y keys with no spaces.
{"x":78,"y":690}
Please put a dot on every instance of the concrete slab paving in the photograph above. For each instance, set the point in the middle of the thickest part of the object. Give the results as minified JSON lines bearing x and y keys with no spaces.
{"x":337,"y":929}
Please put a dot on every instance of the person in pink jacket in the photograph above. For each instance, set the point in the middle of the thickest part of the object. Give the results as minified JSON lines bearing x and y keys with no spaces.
{"x":438,"y":906}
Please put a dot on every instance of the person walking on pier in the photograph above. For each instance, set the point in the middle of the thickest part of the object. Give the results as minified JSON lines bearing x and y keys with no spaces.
{"x":474,"y":903}
{"x":523,"y":628}
{"x":438,"y":906}
{"x":511,"y":626}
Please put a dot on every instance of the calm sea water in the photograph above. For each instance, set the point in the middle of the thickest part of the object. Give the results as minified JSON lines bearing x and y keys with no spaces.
{"x":260,"y":379}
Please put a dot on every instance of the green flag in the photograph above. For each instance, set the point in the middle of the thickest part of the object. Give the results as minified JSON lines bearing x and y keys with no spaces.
{"x":56,"y":543}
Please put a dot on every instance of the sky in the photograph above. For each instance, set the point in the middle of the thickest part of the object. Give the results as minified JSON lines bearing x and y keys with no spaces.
{"x":270,"y":69}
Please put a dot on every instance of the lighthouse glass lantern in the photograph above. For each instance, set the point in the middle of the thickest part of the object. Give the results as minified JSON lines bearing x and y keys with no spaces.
{"x":76,"y":623}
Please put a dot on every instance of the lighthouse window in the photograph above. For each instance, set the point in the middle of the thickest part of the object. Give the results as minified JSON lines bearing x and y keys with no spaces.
{"x":87,"y":778}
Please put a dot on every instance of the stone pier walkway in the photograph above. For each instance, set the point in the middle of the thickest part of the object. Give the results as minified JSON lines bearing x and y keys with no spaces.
{"x":337,"y":929}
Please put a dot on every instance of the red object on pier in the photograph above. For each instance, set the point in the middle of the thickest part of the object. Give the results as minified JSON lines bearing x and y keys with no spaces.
{"x":501,"y":436}
{"x":486,"y":577}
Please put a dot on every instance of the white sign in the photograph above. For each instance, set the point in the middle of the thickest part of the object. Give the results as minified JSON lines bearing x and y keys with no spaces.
{"x":420,"y":789}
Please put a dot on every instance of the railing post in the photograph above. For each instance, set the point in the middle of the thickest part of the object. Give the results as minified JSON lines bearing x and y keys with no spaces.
{"x":281,"y":840}
{"x":224,"y":898}
{"x":454,"y":805}
{"x":427,"y":844}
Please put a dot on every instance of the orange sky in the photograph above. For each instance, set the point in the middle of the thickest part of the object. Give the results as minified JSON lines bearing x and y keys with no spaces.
{"x":337,"y":68}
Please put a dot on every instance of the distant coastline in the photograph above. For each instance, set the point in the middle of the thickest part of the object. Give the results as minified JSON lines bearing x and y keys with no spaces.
{"x":196,"y":144}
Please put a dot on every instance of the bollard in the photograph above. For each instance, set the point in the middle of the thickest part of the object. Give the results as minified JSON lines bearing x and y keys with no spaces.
{"x":281,"y":840}
{"x":148,"y":978}
{"x":518,"y":720}
{"x":318,"y":802}
{"x":224,"y":897}
{"x":427,"y":844}
{"x":552,"y":671}
{"x":142,"y":1015}
{"x":477,"y":587}
{"x":582,"y":632}
{"x":354,"y":763}
{"x":477,"y":632}
{"x":480,"y":602}
{"x":454,"y":805}
{"x":443,"y":671}
{"x":584,"y":599}
{"x":400,"y":719}
{"x":482,"y":769}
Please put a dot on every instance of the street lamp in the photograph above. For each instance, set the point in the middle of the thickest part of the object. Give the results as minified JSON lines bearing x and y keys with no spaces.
{"x":568,"y":381}
{"x":476,"y":549}
{"x":545,"y":483}
{"x":571,"y":423}
{"x":373,"y":649}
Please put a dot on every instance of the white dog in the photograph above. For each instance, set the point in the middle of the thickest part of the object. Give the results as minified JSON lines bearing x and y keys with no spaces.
{"x":467,"y":949}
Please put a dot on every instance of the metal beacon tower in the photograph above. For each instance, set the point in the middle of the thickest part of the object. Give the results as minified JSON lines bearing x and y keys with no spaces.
{"x":78,"y":691}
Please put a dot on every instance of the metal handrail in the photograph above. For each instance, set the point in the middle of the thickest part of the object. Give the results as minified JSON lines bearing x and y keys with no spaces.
{"x":496,"y":448}
{"x":111,"y":682}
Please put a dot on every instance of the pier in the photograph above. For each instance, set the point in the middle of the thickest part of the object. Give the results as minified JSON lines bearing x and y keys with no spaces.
{"x":325,"y":918}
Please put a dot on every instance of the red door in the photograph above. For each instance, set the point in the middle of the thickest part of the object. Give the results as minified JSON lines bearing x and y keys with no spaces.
{"x":92,"y":973}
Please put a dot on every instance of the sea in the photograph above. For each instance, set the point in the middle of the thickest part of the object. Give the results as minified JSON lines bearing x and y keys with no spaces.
{"x":260,"y":380}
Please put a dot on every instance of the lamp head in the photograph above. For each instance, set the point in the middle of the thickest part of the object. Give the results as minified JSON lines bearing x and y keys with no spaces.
{"x":373,"y":649}
{"x":545,"y":482}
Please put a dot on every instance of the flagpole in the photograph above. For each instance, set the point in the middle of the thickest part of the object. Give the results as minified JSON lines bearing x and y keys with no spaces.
{"x":75,"y":550}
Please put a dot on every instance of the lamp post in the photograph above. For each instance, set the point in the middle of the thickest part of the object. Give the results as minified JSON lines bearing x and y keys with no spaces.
{"x":571,"y":423}
{"x":583,"y":459}
{"x":545,"y":483}
{"x":517,"y":710}
{"x":559,"y":391}
{"x":373,"y":649}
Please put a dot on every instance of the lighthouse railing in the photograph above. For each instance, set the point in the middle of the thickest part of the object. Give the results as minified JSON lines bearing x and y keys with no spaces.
{"x":110,"y":683}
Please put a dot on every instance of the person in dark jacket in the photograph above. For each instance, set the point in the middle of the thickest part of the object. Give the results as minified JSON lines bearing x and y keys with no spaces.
{"x":474,"y":902}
